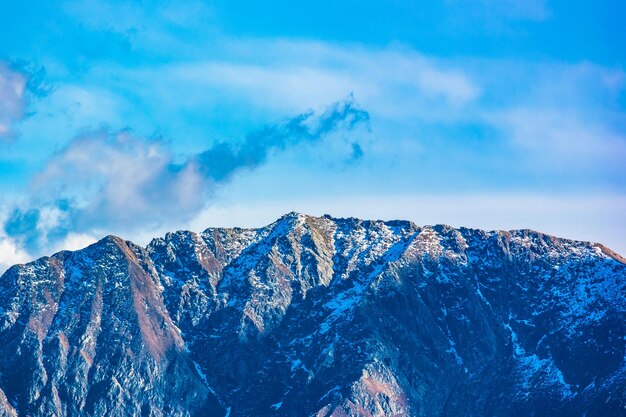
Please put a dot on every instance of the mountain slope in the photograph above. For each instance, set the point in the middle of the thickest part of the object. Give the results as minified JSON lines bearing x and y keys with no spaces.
{"x":318,"y":316}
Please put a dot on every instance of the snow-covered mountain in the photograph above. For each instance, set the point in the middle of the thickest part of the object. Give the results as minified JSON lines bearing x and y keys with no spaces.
{"x":318,"y":317}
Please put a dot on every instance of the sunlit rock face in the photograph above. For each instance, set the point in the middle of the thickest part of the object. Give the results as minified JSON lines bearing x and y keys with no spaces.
{"x":318,"y":317}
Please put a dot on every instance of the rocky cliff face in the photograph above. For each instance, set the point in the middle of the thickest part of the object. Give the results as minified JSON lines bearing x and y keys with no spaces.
{"x":318,"y":317}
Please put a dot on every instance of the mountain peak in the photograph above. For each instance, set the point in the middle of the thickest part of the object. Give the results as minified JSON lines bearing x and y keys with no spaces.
{"x":109,"y":240}
{"x":292,"y":216}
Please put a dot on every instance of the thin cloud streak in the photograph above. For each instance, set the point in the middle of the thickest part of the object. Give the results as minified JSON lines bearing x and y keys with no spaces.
{"x":392,"y":82}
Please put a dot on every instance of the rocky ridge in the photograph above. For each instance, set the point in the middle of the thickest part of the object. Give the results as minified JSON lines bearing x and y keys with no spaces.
{"x":320,"y":317}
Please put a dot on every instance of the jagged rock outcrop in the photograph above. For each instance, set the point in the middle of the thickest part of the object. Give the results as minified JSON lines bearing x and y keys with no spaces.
{"x":318,"y":317}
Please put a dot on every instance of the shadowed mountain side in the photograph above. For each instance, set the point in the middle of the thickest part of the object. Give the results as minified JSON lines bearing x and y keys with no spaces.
{"x":87,"y":333}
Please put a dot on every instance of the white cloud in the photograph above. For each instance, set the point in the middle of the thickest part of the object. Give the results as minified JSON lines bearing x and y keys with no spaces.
{"x":76,"y":241}
{"x":11,"y":254}
{"x":114,"y":178}
{"x":12,"y":99}
{"x":562,"y":136}
{"x":10,"y":251}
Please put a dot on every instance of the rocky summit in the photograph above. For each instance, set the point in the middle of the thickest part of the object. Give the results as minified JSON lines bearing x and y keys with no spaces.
{"x":318,"y":317}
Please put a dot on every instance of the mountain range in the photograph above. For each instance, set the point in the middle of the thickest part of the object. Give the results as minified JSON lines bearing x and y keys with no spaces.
{"x":318,"y":316}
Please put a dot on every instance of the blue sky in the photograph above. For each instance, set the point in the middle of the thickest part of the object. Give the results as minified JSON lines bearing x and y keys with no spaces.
{"x":139,"y":117}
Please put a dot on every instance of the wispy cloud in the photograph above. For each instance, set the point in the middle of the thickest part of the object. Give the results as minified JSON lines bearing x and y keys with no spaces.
{"x":13,"y":99}
{"x":567,"y":127}
{"x":557,"y":133}
{"x":112,"y":181}
{"x":11,"y":253}
{"x":224,"y":159}
{"x":282,"y":75}
{"x":357,"y":152}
